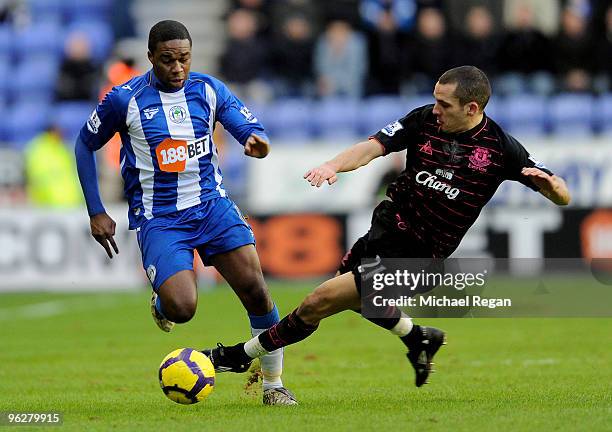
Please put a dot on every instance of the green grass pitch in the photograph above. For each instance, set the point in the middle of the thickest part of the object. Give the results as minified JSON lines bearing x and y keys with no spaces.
{"x":94,"y":357}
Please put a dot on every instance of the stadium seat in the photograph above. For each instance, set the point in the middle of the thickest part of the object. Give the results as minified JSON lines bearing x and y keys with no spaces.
{"x":524,"y":114}
{"x":70,"y":117}
{"x":572,"y":114}
{"x":287,"y":119}
{"x":84,"y":10}
{"x":378,"y":111}
{"x":3,"y":115}
{"x":35,"y":79}
{"x":494,"y":111}
{"x":4,"y":78}
{"x":100,"y":36}
{"x":26,"y":120}
{"x":336,"y":118}
{"x":45,"y":11}
{"x":6,"y":40}
{"x":417,"y":101}
{"x":603,"y":114}
{"x":44,"y":38}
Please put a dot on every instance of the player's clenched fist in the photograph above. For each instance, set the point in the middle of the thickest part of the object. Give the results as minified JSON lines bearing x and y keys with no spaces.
{"x":318,"y":175}
{"x":256,"y":147}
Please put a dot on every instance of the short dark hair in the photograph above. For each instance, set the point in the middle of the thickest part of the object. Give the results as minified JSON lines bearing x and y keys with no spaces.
{"x":472,"y":84}
{"x":167,"y":30}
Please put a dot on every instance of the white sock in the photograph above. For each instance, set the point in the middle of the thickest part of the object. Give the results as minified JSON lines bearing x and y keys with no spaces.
{"x":403,"y":327}
{"x":271,"y":362}
{"x":254,"y":349}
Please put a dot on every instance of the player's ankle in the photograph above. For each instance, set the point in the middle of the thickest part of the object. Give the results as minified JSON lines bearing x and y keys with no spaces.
{"x":249,"y":350}
{"x":414,"y":337}
{"x":270,"y":382}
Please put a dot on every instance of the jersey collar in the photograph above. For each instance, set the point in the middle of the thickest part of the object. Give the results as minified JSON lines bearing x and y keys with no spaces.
{"x":157,"y":85}
{"x":474,"y":132}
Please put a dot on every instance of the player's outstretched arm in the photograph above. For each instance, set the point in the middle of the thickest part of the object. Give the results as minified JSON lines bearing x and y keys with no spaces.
{"x":102,"y":225}
{"x":551,"y":186}
{"x":350,"y":159}
{"x":256,"y":146}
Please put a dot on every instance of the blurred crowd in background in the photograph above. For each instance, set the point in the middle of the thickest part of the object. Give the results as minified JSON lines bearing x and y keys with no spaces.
{"x":306,"y":67}
{"x":369,"y":47}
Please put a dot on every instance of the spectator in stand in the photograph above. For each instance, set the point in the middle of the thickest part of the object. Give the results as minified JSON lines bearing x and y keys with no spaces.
{"x":292,"y":58}
{"x":573,"y":52}
{"x":111,"y":185}
{"x":260,"y":10}
{"x":15,"y":13}
{"x":340,"y":10}
{"x":386,"y":22}
{"x":428,"y":54}
{"x":245,"y":57}
{"x":599,"y":16}
{"x":524,"y":57}
{"x":119,"y":72}
{"x":479,"y":44}
{"x":603,"y":82}
{"x":51,"y":172}
{"x":340,"y":61}
{"x":545,"y":14}
{"x":6,"y":10}
{"x":122,"y":19}
{"x":78,"y":76}
{"x":456,"y":11}
{"x":402,"y":13}
{"x":282,"y":10}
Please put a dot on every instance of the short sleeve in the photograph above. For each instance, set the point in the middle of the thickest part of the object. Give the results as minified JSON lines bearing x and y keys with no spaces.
{"x":400,"y":134}
{"x":102,"y":124}
{"x":235,"y":117}
{"x":517,"y":158}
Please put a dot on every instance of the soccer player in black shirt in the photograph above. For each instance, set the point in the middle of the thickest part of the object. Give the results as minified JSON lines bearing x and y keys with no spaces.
{"x":456,"y":159}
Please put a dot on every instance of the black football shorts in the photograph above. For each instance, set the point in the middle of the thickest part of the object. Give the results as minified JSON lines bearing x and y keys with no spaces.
{"x":388,"y":237}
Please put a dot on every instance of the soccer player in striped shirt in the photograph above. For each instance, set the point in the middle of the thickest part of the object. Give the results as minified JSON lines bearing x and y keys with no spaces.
{"x":456,"y":159}
{"x":174,"y":187}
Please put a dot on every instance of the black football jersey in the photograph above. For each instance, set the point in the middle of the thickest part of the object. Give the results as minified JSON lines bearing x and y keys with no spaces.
{"x":449,"y":177}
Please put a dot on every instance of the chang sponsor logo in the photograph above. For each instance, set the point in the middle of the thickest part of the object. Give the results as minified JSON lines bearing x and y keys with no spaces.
{"x":431,"y":181}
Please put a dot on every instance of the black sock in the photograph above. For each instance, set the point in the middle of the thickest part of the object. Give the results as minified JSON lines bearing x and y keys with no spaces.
{"x":390,"y":319}
{"x":414,"y":337}
{"x":386,"y":323}
{"x":289,"y":330}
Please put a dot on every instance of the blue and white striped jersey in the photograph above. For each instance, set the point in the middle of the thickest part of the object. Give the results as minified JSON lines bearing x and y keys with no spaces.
{"x":169,"y":161}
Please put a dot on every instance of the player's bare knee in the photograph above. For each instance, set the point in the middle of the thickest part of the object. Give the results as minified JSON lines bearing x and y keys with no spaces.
{"x":179,"y":311}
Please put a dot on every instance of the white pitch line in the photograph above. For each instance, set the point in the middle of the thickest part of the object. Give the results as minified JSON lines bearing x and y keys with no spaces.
{"x":53,"y":308}
{"x":35,"y":310}
{"x":510,"y":362}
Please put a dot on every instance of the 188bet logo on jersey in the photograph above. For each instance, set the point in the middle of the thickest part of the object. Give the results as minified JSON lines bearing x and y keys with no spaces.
{"x":172,"y":154}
